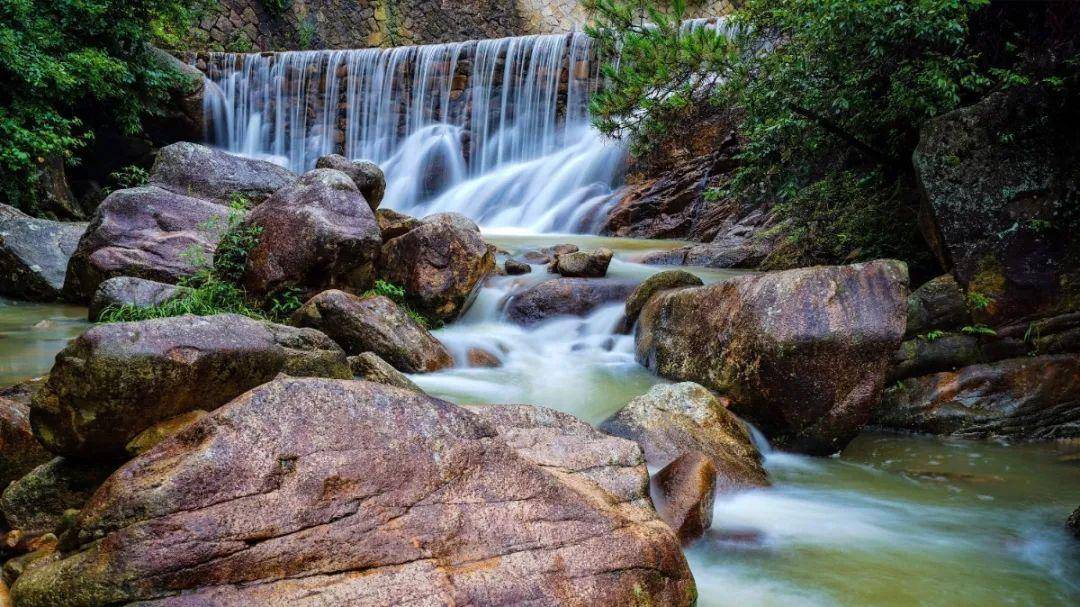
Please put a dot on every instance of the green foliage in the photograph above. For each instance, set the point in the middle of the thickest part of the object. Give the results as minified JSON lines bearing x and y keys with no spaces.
{"x":306,"y":34}
{"x":204,"y":295}
{"x":654,"y":69}
{"x":397,"y":295}
{"x":131,"y":176}
{"x":978,"y":301}
{"x":71,"y":66}
{"x":236,"y":240}
{"x":978,"y":330}
{"x":933,"y":335}
{"x":830,"y":95}
{"x":285,"y":302}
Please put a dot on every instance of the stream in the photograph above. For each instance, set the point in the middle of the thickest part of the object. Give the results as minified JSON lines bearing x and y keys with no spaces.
{"x":893,"y":520}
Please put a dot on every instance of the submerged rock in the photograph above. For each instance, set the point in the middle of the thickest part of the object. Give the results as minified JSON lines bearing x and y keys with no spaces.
{"x":36,"y":503}
{"x":130,"y":291}
{"x":20,"y":451}
{"x":374,"y":324}
{"x":116,"y":380}
{"x":802,"y":353}
{"x":195,"y":170}
{"x":34,"y":255}
{"x":479,"y":357}
{"x":145,"y":232}
{"x":369,"y":367}
{"x":397,"y":498}
{"x":1033,"y":398}
{"x":672,"y":419}
{"x":1001,"y":180}
{"x":547,"y":255}
{"x":687,"y":487}
{"x":440,"y":264}
{"x":584,"y":264}
{"x":367,"y":176}
{"x":315,"y":234}
{"x":516,"y":268}
{"x":565,"y":297}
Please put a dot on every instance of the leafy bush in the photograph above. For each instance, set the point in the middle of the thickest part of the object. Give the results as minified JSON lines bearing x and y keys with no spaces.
{"x":71,"y":66}
{"x":830,"y":94}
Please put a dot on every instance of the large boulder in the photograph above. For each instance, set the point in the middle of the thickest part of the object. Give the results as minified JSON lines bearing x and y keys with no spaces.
{"x":802,"y":353}
{"x":672,"y":419}
{"x":563,"y":443}
{"x":440,"y":264}
{"x":1033,"y":398}
{"x":393,"y":224}
{"x":948,"y":352}
{"x":123,"y":291}
{"x":374,"y":324}
{"x":34,"y":255}
{"x":317,"y":233}
{"x":565,"y":297}
{"x":367,"y":176}
{"x":1001,"y":180}
{"x":116,"y":380}
{"x":304,"y":492}
{"x":144,"y":232}
{"x":686,"y":489}
{"x":196,"y":170}
{"x":20,"y":451}
{"x":36,"y":503}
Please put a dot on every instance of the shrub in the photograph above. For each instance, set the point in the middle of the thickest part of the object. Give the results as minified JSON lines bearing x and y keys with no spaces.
{"x":70,"y":67}
{"x":397,"y":295}
{"x":830,"y":94}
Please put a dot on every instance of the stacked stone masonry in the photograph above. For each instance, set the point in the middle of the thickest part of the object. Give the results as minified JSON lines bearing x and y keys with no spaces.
{"x":257,"y":25}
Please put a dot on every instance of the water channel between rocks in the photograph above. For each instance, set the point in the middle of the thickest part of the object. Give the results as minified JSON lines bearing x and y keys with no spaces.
{"x":893,"y":520}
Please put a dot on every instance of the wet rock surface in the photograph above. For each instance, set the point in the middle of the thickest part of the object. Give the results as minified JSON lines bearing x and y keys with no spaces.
{"x":803,"y":353}
{"x":999,"y":177}
{"x":130,"y":291}
{"x":397,"y":498}
{"x":687,"y":487}
{"x":565,"y":297}
{"x":317,"y":233}
{"x":367,"y":176}
{"x":144,"y":232}
{"x":20,"y":451}
{"x":36,"y":503}
{"x":937,"y":304}
{"x":195,"y":170}
{"x":661,"y":281}
{"x":374,"y":324}
{"x":440,"y":265}
{"x":584,"y":264}
{"x":34,"y":255}
{"x":673,"y":419}
{"x":116,"y":380}
{"x":563,"y":443}
{"x":1034,"y":398}
{"x":369,"y":367}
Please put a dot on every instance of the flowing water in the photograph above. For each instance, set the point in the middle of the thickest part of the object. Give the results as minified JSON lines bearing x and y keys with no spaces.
{"x":498,"y":130}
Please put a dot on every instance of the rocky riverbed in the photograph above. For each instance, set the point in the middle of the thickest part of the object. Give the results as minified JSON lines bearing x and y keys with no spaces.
{"x":632,"y":434}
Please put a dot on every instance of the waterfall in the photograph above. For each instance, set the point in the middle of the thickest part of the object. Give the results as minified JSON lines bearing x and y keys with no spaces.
{"x":495,"y":129}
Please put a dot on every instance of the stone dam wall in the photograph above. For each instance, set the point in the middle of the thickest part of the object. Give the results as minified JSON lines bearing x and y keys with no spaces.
{"x":268,"y":25}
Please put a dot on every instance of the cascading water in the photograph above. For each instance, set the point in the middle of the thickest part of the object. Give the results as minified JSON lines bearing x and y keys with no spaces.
{"x":495,"y":129}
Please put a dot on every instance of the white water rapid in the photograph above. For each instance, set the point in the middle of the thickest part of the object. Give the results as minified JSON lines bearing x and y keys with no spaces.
{"x":495,"y":129}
